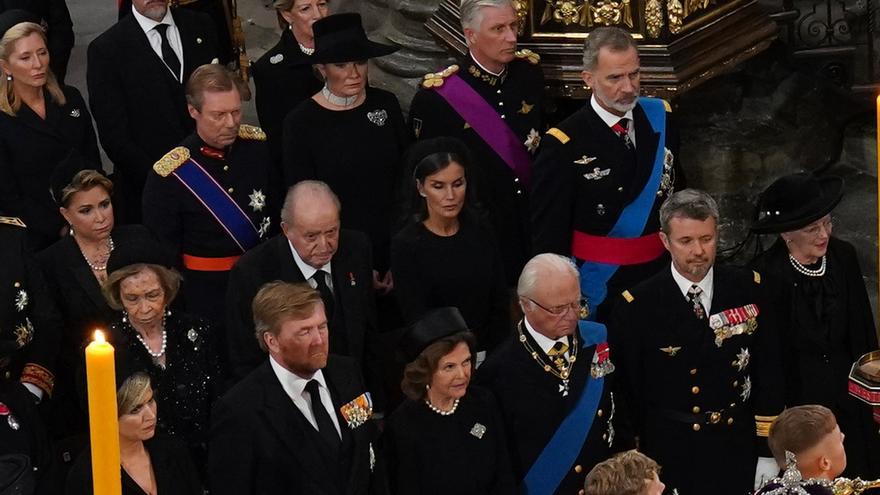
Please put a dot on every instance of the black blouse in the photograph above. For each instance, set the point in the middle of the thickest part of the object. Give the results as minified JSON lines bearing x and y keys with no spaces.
{"x":464,"y":453}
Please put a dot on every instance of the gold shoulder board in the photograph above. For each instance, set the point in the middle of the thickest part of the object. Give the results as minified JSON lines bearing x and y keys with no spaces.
{"x":667,"y":106}
{"x":629,"y":297}
{"x":757,"y":277}
{"x":529,"y":55}
{"x":251,"y":133}
{"x":12,"y":221}
{"x":558,"y":134}
{"x":171,"y":161}
{"x":435,"y":79}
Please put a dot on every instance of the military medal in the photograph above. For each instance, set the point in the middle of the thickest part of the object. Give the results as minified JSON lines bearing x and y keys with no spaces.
{"x":258,"y":199}
{"x":560,"y":367}
{"x":742,"y":359}
{"x":602,"y":364}
{"x":358,"y":411}
{"x":735,"y":321}
{"x":746,"y":389}
{"x":21,"y":300}
{"x":4,"y":411}
{"x":532,"y":141}
{"x":264,"y":226}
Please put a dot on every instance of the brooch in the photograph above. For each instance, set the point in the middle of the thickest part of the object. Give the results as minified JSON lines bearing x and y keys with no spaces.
{"x":274,"y":59}
{"x":378,"y":117}
{"x":478,"y":430}
{"x":358,"y":411}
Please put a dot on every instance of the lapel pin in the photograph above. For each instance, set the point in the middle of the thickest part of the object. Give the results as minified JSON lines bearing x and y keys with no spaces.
{"x":351,"y":279}
{"x":75,"y":113}
{"x":199,"y":41}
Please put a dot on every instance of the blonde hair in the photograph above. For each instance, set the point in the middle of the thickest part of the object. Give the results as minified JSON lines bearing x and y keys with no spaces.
{"x":10,"y":102}
{"x":623,"y":474}
{"x":277,"y":302}
{"x":132,"y":393}
{"x":85,"y":180}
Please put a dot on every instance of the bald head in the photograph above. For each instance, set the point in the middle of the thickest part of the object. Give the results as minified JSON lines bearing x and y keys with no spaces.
{"x":550,"y":295}
{"x":310,"y":221}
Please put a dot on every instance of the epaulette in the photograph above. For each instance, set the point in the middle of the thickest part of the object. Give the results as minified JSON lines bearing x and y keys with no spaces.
{"x":435,"y":79}
{"x":762,"y":425}
{"x":173,"y":159}
{"x":667,"y":106}
{"x":558,"y":134}
{"x":12,"y":221}
{"x":529,"y":55}
{"x":629,"y":297}
{"x":251,"y":133}
{"x":757,"y":277}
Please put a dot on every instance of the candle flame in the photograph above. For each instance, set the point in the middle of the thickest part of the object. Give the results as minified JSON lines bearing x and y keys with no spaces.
{"x":99,"y":337}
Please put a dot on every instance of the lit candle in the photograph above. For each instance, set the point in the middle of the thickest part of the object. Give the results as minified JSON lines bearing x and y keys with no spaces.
{"x":103,"y":420}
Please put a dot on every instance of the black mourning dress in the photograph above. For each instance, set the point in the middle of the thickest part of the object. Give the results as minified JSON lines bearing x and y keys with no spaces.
{"x":463,"y":270}
{"x":464,"y":453}
{"x":826,"y":326}
{"x":185,"y":389}
{"x":357,"y":153}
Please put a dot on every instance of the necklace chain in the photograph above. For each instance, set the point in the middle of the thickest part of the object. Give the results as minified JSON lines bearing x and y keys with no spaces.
{"x":818,"y":272}
{"x":97,"y":266}
{"x":564,"y":373}
{"x":441,"y":412}
{"x":340,"y":101}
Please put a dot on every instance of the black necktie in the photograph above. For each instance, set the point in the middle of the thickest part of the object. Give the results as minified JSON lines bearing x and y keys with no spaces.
{"x":325,"y":425}
{"x":694,"y":294}
{"x":168,"y":54}
{"x":320,"y":278}
{"x":622,"y":130}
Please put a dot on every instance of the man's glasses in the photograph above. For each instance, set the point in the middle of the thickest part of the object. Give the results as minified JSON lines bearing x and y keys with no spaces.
{"x":560,"y":311}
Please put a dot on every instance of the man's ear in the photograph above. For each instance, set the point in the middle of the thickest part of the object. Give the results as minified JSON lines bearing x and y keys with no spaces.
{"x":588,"y":78}
{"x":192,"y":110}
{"x":664,"y":239}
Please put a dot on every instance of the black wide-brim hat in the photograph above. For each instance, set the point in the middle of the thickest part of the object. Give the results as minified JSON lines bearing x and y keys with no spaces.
{"x":341,"y":38}
{"x":12,"y":17}
{"x":433,"y":326}
{"x":795,"y":201}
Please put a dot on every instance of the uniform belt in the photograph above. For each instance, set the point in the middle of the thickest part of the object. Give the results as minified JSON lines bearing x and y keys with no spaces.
{"x":202,"y":264}
{"x":706,"y":417}
{"x":616,"y":250}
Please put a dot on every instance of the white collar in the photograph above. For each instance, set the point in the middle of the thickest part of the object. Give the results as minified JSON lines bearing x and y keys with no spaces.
{"x":487,"y":71}
{"x":609,"y":118}
{"x":706,"y":285}
{"x":307,"y":270}
{"x":543,"y":341}
{"x":148,"y":24}
{"x":293,"y":384}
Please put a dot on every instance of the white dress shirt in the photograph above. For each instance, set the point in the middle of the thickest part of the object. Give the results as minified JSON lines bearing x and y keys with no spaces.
{"x":155,"y":39}
{"x":295,"y":387}
{"x":706,"y":284}
{"x":610,"y":119}
{"x":308,"y":270}
{"x":544,"y":342}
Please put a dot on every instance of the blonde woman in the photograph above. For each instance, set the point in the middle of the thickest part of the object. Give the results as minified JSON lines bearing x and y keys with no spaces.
{"x":43,"y":125}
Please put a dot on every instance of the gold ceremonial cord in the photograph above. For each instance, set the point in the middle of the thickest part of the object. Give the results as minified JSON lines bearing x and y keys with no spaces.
{"x":845,"y":486}
{"x":549,"y":368}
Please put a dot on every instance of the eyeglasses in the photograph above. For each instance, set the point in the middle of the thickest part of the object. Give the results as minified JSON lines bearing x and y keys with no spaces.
{"x":560,"y":311}
{"x":813,"y":229}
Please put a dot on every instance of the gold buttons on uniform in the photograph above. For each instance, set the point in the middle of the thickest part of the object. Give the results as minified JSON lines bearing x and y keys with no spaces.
{"x":715,"y":418}
{"x":230,"y":190}
{"x":599,"y":413}
{"x":225,"y":167}
{"x":696,"y":427}
{"x":578,"y":469}
{"x":696,"y":409}
{"x":695,"y":390}
{"x":16,"y":285}
{"x":694,"y":371}
{"x":735,"y":384}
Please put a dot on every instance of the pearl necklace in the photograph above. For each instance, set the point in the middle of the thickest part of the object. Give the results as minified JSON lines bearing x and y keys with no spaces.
{"x":806,"y":271}
{"x":96,"y":266}
{"x":306,"y":50}
{"x":441,"y":412}
{"x":340,"y":101}
{"x":156,"y":355}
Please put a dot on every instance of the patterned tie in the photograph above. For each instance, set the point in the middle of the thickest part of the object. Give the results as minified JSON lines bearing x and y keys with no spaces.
{"x":695,"y":294}
{"x":168,"y":54}
{"x":557,"y":354}
{"x":621,"y":128}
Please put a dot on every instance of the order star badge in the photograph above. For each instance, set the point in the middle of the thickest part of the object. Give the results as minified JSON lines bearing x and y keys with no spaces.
{"x":21,"y":300}
{"x":746,"y":389}
{"x":742,"y":359}
{"x":264,"y":227}
{"x":258,"y":200}
{"x":532,"y":141}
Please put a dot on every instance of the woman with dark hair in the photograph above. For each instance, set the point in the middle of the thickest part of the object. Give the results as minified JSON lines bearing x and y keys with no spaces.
{"x":176,"y":349}
{"x":446,"y":255}
{"x":826,"y":323}
{"x":42,"y":125}
{"x":445,"y":416}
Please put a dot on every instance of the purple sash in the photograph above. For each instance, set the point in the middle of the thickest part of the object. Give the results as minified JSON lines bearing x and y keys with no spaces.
{"x":483,"y":118}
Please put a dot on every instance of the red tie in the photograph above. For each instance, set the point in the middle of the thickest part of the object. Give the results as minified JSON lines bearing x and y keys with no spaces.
{"x":622,"y":130}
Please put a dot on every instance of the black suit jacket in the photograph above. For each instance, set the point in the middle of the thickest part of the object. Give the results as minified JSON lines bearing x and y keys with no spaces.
{"x":139,"y":107}
{"x":55,"y":16}
{"x":31,"y":149}
{"x":272,"y":260}
{"x":261,"y":444}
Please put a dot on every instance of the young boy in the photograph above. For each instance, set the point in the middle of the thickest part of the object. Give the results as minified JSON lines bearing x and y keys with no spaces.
{"x":627,"y":473}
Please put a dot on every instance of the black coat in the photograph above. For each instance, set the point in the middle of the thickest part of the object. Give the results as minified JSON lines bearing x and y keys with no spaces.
{"x":564,"y":200}
{"x":139,"y":107}
{"x":55,"y":17}
{"x":283,"y":77}
{"x":172,"y":466}
{"x":532,"y":408}
{"x":432,"y":454}
{"x":517,"y":95}
{"x":818,"y":352}
{"x":28,"y":438}
{"x":32,"y":148}
{"x":355,"y":311}
{"x":261,"y":444}
{"x":675,"y":376}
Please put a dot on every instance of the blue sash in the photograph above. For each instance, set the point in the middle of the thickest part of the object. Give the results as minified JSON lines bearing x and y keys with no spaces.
{"x":555,"y":461}
{"x":220,"y":205}
{"x":632,"y":220}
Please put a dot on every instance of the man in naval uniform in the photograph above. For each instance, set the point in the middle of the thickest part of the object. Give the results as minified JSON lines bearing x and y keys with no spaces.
{"x":552,"y":380}
{"x":491,"y":100}
{"x":697,"y":355}
{"x":211,"y":197}
{"x":601,"y":175}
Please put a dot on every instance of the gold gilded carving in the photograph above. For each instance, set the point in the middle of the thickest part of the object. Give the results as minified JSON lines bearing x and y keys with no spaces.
{"x":612,"y":13}
{"x":566,"y":12}
{"x":654,"y":17}
{"x":691,"y":6}
{"x":674,"y":10}
{"x":522,"y":15}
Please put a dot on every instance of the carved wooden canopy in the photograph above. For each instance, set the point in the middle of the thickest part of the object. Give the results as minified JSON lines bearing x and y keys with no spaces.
{"x":681,"y":42}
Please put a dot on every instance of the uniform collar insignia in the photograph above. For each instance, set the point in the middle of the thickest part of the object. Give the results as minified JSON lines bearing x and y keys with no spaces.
{"x":481,"y":74}
{"x":212,"y":152}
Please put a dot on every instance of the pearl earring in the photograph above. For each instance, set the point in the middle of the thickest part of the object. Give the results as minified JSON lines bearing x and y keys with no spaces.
{"x":8,"y":77}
